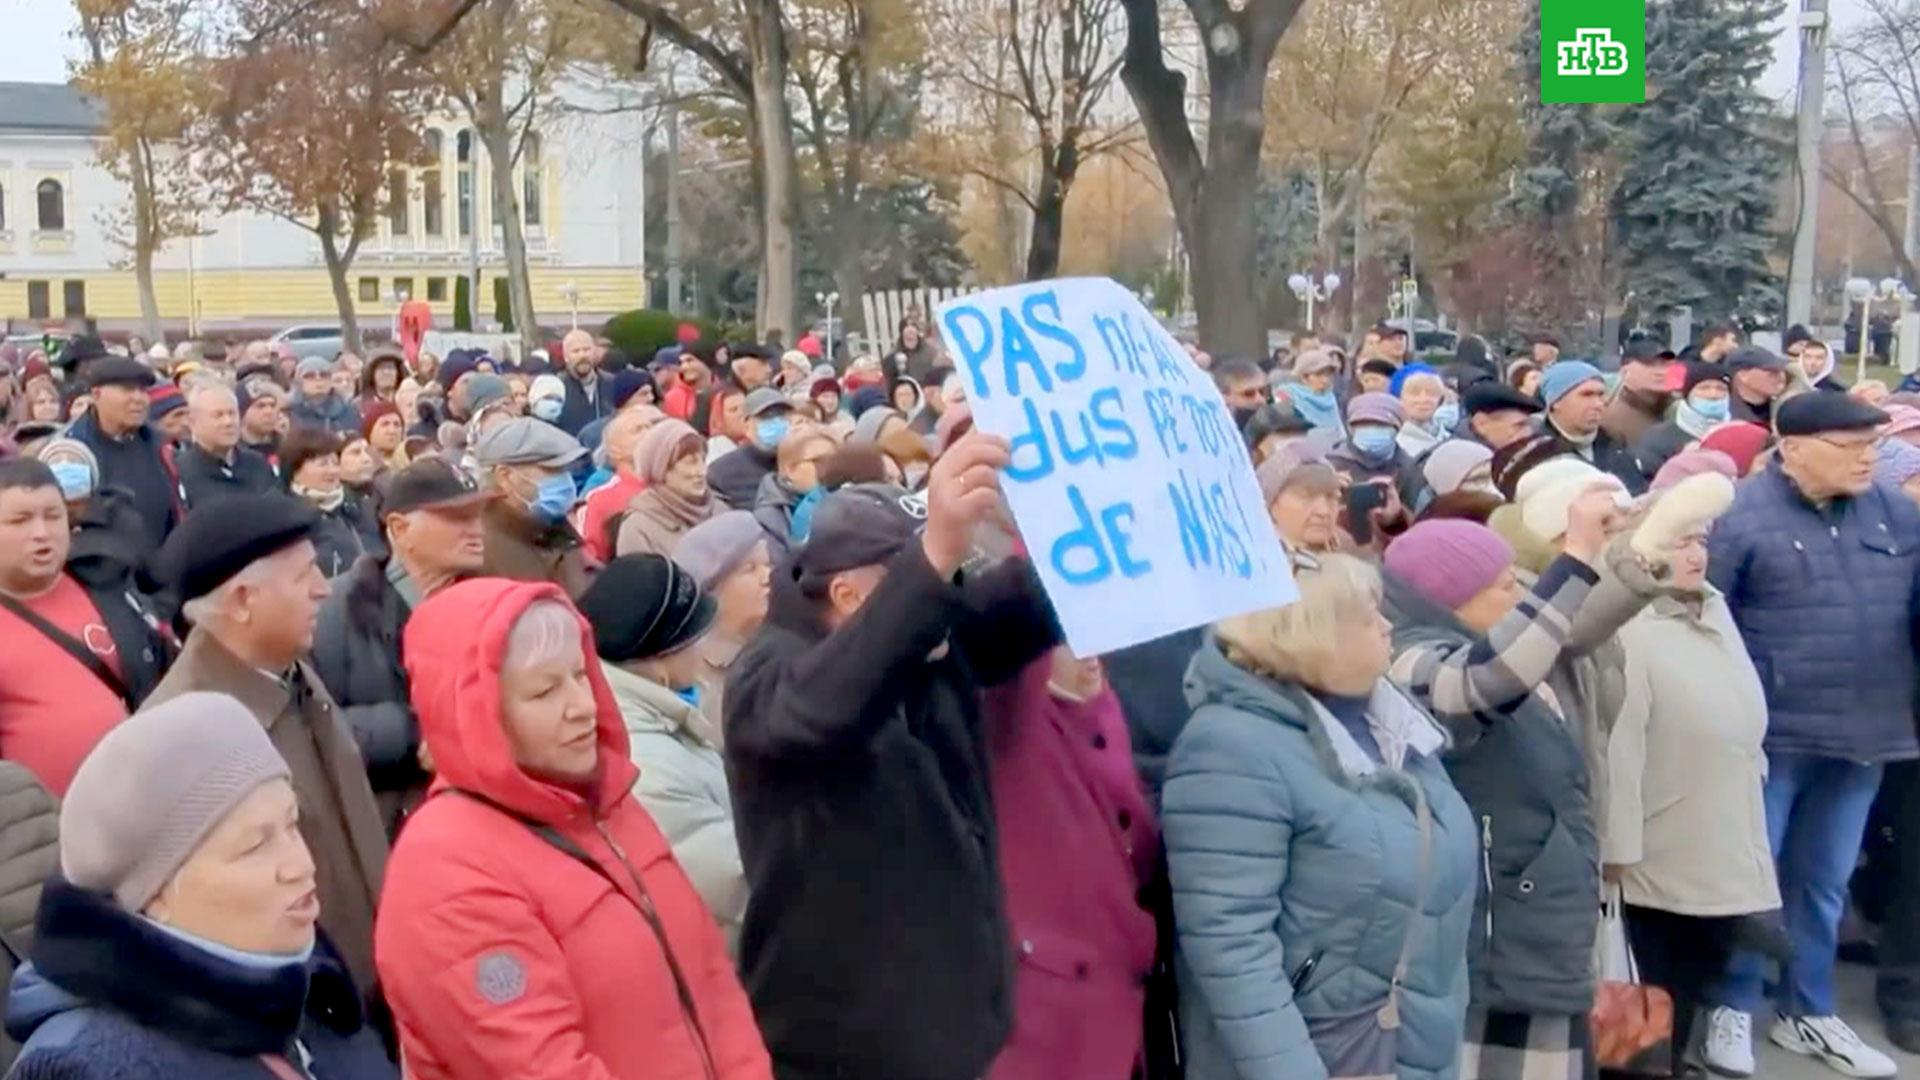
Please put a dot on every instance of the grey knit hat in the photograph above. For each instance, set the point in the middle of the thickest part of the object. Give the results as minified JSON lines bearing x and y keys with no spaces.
{"x":153,"y":789}
{"x":717,"y":546}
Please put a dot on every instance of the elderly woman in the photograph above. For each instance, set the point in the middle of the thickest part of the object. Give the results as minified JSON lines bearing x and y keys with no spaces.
{"x":671,"y":459}
{"x":1311,"y":394}
{"x":1422,"y":393}
{"x":179,"y":940}
{"x":386,"y":434}
{"x":727,"y":555}
{"x":310,"y":470}
{"x":649,"y":618}
{"x":1303,"y":495}
{"x":1323,"y":866}
{"x":534,"y":921}
{"x":1686,"y":830}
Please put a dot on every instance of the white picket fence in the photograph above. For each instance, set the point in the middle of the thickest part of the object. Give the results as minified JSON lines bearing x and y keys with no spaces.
{"x":884,"y":310}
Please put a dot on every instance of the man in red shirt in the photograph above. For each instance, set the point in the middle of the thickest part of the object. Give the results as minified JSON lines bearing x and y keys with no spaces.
{"x":74,"y":658}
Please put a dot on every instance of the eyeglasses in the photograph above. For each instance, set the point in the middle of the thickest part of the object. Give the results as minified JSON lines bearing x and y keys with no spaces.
{"x":1871,"y":446}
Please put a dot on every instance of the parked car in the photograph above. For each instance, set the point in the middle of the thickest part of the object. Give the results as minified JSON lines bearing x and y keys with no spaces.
{"x":315,"y":340}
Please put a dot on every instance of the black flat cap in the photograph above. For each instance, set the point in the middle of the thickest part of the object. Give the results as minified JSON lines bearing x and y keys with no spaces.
{"x":219,"y":541}
{"x":1492,"y":395}
{"x":1755,"y":358}
{"x":79,"y":350}
{"x":119,"y":371}
{"x":859,"y":525}
{"x":642,"y":606}
{"x":1817,"y":413}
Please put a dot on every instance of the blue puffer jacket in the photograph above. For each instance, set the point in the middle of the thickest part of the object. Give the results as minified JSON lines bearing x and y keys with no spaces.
{"x":1825,"y":598}
{"x":1296,"y":860}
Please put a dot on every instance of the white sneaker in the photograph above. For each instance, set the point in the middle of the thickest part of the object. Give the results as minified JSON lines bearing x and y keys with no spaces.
{"x":1728,"y":1047}
{"x":1832,"y":1041}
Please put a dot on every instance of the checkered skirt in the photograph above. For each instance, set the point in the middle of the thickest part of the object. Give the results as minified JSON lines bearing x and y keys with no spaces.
{"x":1525,"y":1046}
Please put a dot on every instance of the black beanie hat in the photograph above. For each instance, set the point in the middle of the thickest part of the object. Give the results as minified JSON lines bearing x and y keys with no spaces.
{"x":642,"y":606}
{"x":1699,"y":371}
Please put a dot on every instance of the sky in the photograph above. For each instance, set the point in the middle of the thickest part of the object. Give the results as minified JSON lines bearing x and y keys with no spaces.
{"x":35,"y":45}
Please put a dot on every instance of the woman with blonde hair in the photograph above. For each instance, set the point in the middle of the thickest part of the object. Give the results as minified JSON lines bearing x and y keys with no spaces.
{"x":1323,"y":866}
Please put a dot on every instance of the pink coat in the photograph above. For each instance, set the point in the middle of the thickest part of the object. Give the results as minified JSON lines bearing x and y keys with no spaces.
{"x":1077,"y":843}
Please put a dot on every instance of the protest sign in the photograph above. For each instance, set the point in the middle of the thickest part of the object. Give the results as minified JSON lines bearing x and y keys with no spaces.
{"x":1130,"y":482}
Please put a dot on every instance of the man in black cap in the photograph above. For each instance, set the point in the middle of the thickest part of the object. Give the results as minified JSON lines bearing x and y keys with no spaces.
{"x":1820,"y":567}
{"x":213,"y":465}
{"x":431,"y":516}
{"x":1759,"y":378}
{"x":736,"y":476}
{"x":875,"y":941}
{"x":250,"y":589}
{"x":1642,"y":400}
{"x":262,"y":405}
{"x":1497,"y":414}
{"x":1704,"y":404}
{"x":133,"y":457}
{"x":529,"y":537}
{"x":78,"y":357}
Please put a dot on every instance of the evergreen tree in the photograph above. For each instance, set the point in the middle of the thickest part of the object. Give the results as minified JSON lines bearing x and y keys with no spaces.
{"x":1549,"y":191}
{"x":1700,"y":162}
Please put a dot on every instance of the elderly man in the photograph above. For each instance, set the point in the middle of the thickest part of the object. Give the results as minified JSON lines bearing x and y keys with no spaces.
{"x":214,"y":465}
{"x":1497,"y":414}
{"x":589,"y":390}
{"x":1576,"y":398}
{"x":132,"y":456}
{"x":529,"y":464}
{"x":1642,"y":400}
{"x":603,"y":505}
{"x":1545,"y":350}
{"x":751,"y":368}
{"x":1821,"y":572}
{"x":766,"y":416}
{"x":248,"y":584}
{"x":863,"y":807}
{"x":78,"y":647}
{"x":1759,"y":378}
{"x":431,"y":515}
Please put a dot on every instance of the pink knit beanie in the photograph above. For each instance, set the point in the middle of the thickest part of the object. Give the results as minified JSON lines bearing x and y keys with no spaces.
{"x":1449,"y":561}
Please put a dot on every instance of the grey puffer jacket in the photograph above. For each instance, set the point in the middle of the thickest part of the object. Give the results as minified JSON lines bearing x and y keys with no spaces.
{"x":29,"y":853}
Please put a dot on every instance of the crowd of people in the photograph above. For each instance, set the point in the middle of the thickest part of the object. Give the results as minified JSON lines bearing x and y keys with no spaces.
{"x":700,"y":715}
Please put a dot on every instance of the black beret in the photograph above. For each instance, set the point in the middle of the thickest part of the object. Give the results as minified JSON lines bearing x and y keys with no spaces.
{"x":642,"y":606}
{"x":119,"y":371}
{"x":216,"y":542}
{"x":1492,"y":395}
{"x":1817,"y":414}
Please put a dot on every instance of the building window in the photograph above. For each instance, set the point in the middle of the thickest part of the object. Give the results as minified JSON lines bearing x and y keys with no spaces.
{"x":403,"y":286}
{"x":437,"y":290}
{"x":39,"y":302}
{"x":53,"y":206}
{"x":463,"y":181}
{"x":530,"y":179}
{"x":73,"y":296}
{"x":369,"y":290}
{"x":397,"y":196}
{"x":431,"y":197}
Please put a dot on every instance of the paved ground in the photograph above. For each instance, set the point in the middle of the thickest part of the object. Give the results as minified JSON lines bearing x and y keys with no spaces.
{"x":1855,"y":985}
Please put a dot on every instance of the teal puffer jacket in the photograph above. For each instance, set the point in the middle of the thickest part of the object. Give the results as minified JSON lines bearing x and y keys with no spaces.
{"x":1296,"y":876}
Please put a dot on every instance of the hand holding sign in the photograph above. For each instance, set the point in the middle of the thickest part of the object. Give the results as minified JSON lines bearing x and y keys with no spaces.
{"x":1129,"y":481}
{"x":963,"y":489}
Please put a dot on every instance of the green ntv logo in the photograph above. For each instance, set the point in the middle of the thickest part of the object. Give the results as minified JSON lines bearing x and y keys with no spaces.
{"x":1593,"y":51}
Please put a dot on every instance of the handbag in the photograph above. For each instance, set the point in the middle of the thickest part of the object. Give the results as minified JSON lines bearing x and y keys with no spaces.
{"x":1632,"y":1023}
{"x":1364,"y":1043}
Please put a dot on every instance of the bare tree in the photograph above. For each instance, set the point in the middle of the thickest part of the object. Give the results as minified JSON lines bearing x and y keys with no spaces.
{"x":1877,"y":76}
{"x":1213,"y":192}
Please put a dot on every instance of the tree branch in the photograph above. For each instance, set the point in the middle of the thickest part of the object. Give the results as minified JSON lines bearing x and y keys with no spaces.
{"x":729,"y":68}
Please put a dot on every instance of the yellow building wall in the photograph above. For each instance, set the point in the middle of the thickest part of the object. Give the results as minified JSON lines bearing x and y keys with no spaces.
{"x":304,"y":295}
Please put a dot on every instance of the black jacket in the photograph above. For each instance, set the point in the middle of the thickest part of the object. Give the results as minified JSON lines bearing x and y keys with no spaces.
{"x":1150,"y":681}
{"x":356,"y":650}
{"x":736,"y":476}
{"x":1739,"y":408}
{"x":137,"y":465}
{"x":579,"y":410}
{"x":106,"y":560}
{"x":1605,"y":453}
{"x":206,"y":479}
{"x":1659,"y":445}
{"x":343,"y":535}
{"x":875,"y":942}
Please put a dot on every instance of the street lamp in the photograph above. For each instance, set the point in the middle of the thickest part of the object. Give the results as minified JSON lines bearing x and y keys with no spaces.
{"x":827,"y":300}
{"x":572,"y":294}
{"x":1864,"y":292}
{"x":1311,"y":292}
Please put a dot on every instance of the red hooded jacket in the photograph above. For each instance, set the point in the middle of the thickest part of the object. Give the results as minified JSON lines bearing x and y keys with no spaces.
{"x":505,"y":956}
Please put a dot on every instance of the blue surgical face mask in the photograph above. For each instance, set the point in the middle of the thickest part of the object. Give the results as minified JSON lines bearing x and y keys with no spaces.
{"x":75,"y":479}
{"x":553,"y":497}
{"x":1447,"y":416}
{"x":547,"y":409}
{"x":1715,"y":409}
{"x":768,"y":433}
{"x":1374,"y":441}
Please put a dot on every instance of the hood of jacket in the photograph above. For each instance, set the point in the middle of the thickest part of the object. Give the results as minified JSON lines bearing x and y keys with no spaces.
{"x":647,"y":708}
{"x":107,"y":536}
{"x":455,"y":645}
{"x":774,"y":492}
{"x":1212,"y":679}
